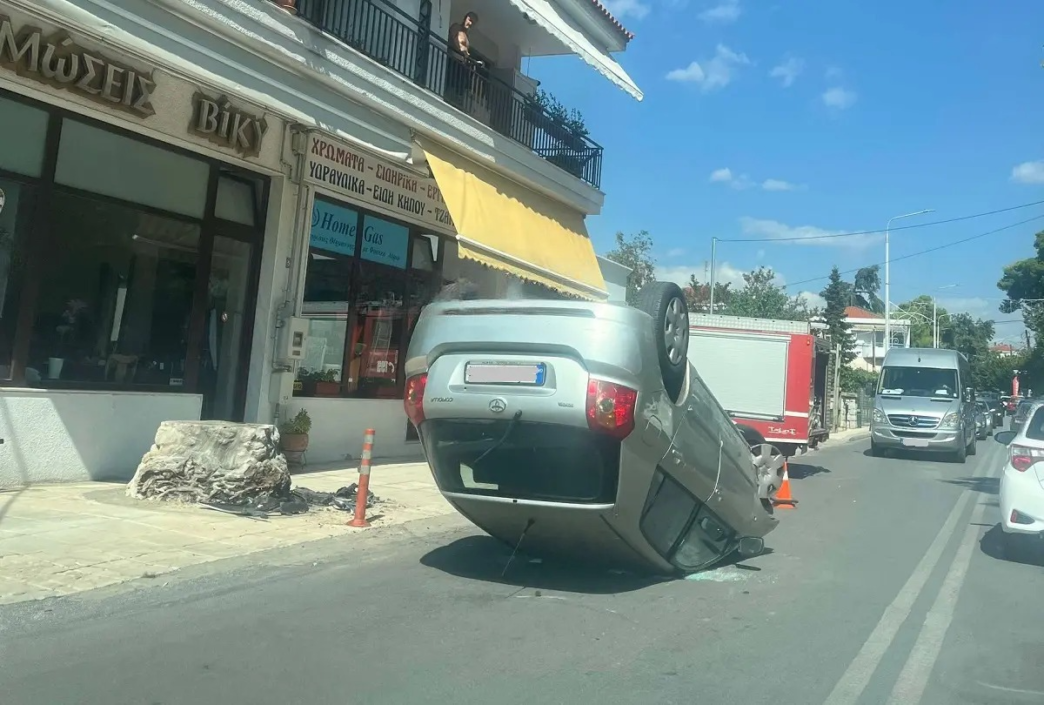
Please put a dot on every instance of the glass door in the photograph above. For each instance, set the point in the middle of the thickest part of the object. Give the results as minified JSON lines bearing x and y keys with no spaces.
{"x":227,"y":327}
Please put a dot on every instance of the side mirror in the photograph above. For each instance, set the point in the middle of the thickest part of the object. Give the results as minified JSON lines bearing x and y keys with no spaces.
{"x":750,"y":546}
{"x":1005,"y":437}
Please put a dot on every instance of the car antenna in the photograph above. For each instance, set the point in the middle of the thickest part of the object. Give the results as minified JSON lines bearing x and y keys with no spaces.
{"x":518,"y":545}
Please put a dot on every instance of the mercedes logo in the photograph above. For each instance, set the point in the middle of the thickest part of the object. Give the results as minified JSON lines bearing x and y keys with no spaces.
{"x":498,"y":406}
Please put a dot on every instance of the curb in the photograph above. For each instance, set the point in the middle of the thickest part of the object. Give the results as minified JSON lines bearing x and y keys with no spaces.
{"x":860,"y":435}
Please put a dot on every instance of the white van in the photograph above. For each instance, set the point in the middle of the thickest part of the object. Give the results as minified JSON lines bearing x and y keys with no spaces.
{"x":925,"y":401}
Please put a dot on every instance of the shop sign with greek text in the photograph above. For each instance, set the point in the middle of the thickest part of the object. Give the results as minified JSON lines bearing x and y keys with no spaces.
{"x":57,"y":60}
{"x":376,"y":184}
{"x":227,"y":126}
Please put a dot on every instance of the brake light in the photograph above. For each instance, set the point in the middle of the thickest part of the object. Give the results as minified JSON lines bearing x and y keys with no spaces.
{"x":610,"y":408}
{"x":1022,"y":458}
{"x":413,"y":398}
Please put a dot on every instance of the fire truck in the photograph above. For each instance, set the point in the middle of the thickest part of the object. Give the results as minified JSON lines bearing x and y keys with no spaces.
{"x":772,"y":377}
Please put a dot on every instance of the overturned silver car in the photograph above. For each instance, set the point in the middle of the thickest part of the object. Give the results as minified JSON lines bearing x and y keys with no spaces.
{"x":581,"y":429}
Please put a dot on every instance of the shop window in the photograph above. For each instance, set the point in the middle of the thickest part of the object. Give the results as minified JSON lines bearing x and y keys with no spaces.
{"x":23,"y":136}
{"x":15,"y":219}
{"x":327,"y":290}
{"x":379,"y":310}
{"x":115,"y":298}
{"x":236,"y":201}
{"x":102,"y":162}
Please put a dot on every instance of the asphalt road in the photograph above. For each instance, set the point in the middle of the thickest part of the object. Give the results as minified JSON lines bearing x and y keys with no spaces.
{"x":883,"y":586}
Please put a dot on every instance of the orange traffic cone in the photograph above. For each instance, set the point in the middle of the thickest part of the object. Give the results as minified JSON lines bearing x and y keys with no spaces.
{"x":784,"y":499}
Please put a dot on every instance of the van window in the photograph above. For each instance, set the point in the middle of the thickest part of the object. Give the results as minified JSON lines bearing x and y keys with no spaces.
{"x":920,"y":382}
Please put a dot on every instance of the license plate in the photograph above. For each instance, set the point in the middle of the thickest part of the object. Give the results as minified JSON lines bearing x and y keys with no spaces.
{"x":915,"y":442}
{"x":527,"y":373}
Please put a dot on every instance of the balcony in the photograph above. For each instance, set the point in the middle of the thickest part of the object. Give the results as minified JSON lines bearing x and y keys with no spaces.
{"x":406,"y":45}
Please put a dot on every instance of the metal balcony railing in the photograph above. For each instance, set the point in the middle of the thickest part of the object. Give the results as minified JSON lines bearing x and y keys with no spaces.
{"x":404,"y":44}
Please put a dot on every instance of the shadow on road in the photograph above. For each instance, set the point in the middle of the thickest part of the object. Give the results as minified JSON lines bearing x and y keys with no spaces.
{"x":909,"y":454}
{"x":986,"y":485}
{"x":799,"y":471}
{"x":995,"y":544}
{"x":485,"y":558}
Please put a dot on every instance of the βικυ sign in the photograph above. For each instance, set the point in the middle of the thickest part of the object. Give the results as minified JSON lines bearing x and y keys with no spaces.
{"x":58,"y":61}
{"x":375,"y":183}
{"x":229,"y":127}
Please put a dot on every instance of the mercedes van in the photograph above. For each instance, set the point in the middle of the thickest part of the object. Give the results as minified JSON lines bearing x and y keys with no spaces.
{"x":925,"y":401}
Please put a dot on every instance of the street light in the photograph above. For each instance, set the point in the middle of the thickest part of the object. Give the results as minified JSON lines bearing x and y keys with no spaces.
{"x":888,"y":278}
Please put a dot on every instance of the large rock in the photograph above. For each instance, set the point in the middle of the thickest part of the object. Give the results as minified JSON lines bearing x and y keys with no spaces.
{"x":212,"y":461}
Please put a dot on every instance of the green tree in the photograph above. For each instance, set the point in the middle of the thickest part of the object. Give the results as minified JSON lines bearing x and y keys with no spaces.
{"x":919,"y":312}
{"x":867,"y":284}
{"x":635,"y":252}
{"x":697,"y":295}
{"x":836,"y":296}
{"x":993,"y":372}
{"x":761,"y":297}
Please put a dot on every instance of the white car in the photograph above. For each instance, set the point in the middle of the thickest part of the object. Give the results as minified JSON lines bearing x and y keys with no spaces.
{"x":1022,"y":481}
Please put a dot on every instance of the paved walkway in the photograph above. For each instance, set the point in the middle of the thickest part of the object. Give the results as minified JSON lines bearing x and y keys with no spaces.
{"x":66,"y":538}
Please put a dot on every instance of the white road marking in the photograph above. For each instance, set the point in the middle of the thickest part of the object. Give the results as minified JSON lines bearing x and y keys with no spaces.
{"x":1006,"y":689}
{"x":855,"y":678}
{"x":914,"y":677}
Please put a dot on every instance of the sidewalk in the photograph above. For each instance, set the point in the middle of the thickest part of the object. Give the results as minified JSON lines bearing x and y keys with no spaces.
{"x":66,"y":538}
{"x":849,"y":435}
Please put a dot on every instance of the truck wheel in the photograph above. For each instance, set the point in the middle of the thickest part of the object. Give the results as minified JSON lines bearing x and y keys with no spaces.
{"x":751,"y":435}
{"x":665,"y":302}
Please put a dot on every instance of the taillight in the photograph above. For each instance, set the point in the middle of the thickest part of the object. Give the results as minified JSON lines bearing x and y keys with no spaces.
{"x":610,"y":408}
{"x":413,"y":399}
{"x":1022,"y":458}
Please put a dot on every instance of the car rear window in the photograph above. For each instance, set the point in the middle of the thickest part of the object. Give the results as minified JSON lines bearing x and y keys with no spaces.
{"x":525,"y":461}
{"x":1035,"y":426}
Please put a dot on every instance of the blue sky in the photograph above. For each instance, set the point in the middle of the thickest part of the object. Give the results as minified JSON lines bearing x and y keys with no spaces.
{"x":782,"y":119}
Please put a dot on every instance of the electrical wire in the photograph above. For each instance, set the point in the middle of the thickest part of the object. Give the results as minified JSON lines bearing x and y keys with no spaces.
{"x":831,"y":236}
{"x":924,"y":252}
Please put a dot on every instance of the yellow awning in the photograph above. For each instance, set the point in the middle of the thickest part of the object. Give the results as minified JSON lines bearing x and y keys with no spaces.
{"x":502,"y":224}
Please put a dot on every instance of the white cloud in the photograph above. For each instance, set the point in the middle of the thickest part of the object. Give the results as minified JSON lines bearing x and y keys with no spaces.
{"x":778,"y":185}
{"x":714,"y":73}
{"x":623,"y":8}
{"x":675,"y":252}
{"x":723,"y":175}
{"x":725,"y":12}
{"x":839,"y":98}
{"x":725,"y":273}
{"x":802,"y":234}
{"x":743,"y":181}
{"x":1029,"y":173}
{"x":788,"y":71}
{"x":812,"y":300}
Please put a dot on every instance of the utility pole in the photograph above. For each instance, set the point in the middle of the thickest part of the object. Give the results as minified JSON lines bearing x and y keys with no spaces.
{"x":713,"y":266}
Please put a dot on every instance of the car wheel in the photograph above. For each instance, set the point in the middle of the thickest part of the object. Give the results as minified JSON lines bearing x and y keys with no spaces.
{"x":876,"y":450}
{"x":972,"y":447}
{"x":665,"y":302}
{"x":961,"y":455}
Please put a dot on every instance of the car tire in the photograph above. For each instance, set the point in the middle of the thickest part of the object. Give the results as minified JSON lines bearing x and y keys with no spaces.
{"x":665,"y":302}
{"x":751,"y":435}
{"x":961,"y":455}
{"x":876,"y":450}
{"x":973,"y":447}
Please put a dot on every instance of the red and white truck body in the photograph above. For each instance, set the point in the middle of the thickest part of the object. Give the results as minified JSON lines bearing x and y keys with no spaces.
{"x":772,"y":376}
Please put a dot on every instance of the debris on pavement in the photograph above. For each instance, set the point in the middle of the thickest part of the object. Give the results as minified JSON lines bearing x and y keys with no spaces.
{"x":295,"y":501}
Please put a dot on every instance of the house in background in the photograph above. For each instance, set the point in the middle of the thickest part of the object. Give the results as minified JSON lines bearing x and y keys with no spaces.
{"x":1004,"y":349}
{"x":868,"y":334}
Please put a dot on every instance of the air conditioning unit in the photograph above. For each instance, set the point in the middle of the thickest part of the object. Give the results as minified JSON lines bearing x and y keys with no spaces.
{"x":524,"y":84}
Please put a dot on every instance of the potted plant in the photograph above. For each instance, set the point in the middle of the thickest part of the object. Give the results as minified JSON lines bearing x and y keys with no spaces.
{"x":576,"y":130}
{"x":326,"y":384}
{"x":293,"y":434}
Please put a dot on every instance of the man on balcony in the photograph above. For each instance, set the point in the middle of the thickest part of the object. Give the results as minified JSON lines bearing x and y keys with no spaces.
{"x":461,"y":64}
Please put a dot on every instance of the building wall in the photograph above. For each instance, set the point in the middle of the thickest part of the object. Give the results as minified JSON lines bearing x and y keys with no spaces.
{"x":52,"y":436}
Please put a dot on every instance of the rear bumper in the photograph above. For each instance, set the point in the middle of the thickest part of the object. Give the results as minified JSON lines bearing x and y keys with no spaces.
{"x":1021,"y":492}
{"x":941,"y":442}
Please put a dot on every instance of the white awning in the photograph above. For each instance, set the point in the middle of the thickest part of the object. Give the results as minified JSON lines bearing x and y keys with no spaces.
{"x":565,"y":30}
